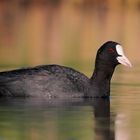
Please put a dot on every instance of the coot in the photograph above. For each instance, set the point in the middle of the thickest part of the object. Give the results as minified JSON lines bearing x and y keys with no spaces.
{"x":49,"y":81}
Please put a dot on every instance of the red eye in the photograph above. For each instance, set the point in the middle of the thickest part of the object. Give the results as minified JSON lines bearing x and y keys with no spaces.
{"x":110,"y":50}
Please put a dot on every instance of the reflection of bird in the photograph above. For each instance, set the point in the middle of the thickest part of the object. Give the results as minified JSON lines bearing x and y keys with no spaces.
{"x":63,"y":82}
{"x":104,"y":122}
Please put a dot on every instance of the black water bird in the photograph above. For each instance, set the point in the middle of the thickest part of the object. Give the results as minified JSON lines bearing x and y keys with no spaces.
{"x":54,"y":81}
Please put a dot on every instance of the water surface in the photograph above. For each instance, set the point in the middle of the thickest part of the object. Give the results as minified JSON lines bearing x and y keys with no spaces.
{"x":55,"y":119}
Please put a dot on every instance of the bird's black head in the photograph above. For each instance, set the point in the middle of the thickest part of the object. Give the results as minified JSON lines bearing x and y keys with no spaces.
{"x":111,"y":54}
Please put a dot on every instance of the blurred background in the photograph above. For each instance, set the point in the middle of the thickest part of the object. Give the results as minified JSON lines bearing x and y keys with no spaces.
{"x":66,"y":32}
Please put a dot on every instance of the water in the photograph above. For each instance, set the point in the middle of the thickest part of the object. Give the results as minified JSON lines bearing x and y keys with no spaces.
{"x":55,"y":120}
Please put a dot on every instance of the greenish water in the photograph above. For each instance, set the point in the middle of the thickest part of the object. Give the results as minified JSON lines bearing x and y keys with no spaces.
{"x":55,"y":120}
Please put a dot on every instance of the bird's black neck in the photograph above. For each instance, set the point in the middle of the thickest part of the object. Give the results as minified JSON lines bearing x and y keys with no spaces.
{"x":101,"y":78}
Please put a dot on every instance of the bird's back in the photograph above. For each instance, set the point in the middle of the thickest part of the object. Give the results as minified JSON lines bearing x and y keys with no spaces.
{"x":43,"y":81}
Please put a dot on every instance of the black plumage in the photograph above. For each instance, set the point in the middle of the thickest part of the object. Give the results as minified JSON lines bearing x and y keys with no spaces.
{"x":52,"y":81}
